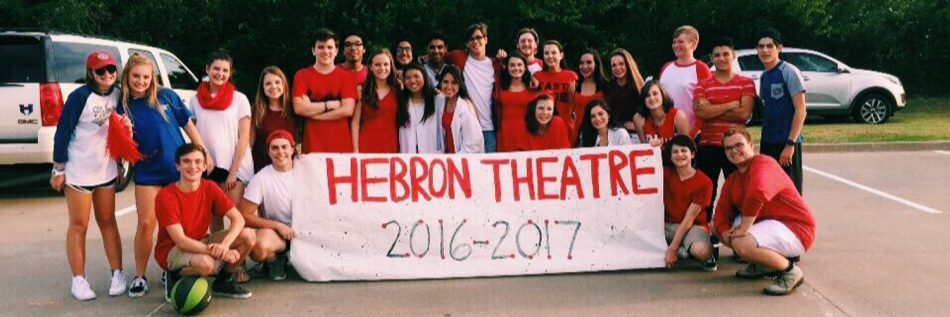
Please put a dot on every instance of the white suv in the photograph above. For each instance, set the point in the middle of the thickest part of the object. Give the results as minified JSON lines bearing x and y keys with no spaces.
{"x":835,"y":89}
{"x":38,"y":70}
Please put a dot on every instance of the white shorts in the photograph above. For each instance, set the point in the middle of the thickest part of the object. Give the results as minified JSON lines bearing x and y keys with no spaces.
{"x":774,"y":235}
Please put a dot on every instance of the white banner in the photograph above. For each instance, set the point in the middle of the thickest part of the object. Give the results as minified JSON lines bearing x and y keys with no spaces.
{"x":395,"y":216}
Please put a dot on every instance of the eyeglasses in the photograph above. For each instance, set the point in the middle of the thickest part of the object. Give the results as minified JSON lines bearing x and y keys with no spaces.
{"x":735,"y":147}
{"x":102,"y":71}
{"x":352,"y":44}
{"x":403,"y":49}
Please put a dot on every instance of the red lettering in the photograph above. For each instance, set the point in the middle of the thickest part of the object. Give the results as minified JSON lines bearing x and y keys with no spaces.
{"x":462,"y":178}
{"x":539,"y":164}
{"x":397,"y":175}
{"x":615,"y":179}
{"x":594,"y":161}
{"x":365,"y":180}
{"x":569,"y":177}
{"x":636,"y":172}
{"x":437,"y":192}
{"x":333,"y":180}
{"x":516,"y":181}
{"x":496,"y":171}
{"x":418,"y":171}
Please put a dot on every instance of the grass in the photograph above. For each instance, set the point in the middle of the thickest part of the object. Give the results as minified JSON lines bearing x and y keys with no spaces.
{"x":923,"y":119}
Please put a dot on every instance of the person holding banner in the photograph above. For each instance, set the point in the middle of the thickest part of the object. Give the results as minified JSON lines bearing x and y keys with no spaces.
{"x":459,"y":122}
{"x":545,"y":130}
{"x":373,"y":125}
{"x":598,"y":128}
{"x":271,"y":187}
{"x":658,"y":120}
{"x":686,"y":194}
{"x":512,"y":100}
{"x":416,"y":116}
{"x":591,"y":87}
{"x":762,"y":217}
{"x":184,"y":210}
{"x":325,"y":95}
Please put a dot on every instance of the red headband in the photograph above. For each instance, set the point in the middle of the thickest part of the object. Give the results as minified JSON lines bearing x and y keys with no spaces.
{"x":281,"y":134}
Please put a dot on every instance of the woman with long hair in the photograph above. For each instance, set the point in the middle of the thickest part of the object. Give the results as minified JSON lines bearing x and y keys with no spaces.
{"x":623,"y":90}
{"x":559,"y":81}
{"x":591,"y":87}
{"x":273,"y":110}
{"x":416,"y":117}
{"x":373,"y":125}
{"x":512,"y":102}
{"x":658,"y":121}
{"x":156,"y":114}
{"x":546,"y":131}
{"x":598,"y":128}
{"x":87,"y":175}
{"x":459,"y":123}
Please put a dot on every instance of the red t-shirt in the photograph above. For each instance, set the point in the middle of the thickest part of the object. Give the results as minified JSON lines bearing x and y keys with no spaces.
{"x":679,"y":194}
{"x":273,"y":121}
{"x":665,"y":131}
{"x":716,"y":93}
{"x":561,"y":86}
{"x":378,"y":132}
{"x":191,"y":210}
{"x":579,"y":104}
{"x":447,"y":127}
{"x":765,"y":192}
{"x":322,"y":135}
{"x":555,"y":137}
{"x":512,"y":107}
{"x":358,"y":75}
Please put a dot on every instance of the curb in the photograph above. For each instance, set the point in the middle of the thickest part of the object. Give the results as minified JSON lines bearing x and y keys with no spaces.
{"x":875,"y":146}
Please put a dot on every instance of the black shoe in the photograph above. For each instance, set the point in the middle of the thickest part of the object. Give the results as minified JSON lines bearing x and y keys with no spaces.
{"x":277,"y":269}
{"x":230,"y":289}
{"x":170,"y":277}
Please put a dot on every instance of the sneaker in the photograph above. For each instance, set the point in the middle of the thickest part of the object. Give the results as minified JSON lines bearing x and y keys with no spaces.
{"x":230,"y":289}
{"x":755,"y":271}
{"x":710,"y":265}
{"x":786,"y":283}
{"x":139,"y":287}
{"x":163,"y":278}
{"x":81,"y":289}
{"x":118,"y":283}
{"x":259,"y":270}
{"x":170,"y":279}
{"x":277,"y":269}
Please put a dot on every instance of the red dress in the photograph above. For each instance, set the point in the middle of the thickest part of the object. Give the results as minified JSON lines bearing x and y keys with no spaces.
{"x":555,"y":137}
{"x":378,"y":131}
{"x":666,"y":131}
{"x":561,"y":86}
{"x":272,"y":121}
{"x":513,"y":106}
{"x":447,"y":127}
{"x":579,"y":105}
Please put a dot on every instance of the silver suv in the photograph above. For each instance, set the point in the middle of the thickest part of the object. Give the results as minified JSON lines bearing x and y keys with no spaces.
{"x":38,"y":70}
{"x":835,"y":89}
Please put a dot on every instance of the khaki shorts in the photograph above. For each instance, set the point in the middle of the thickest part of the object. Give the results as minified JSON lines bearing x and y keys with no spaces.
{"x":178,"y":259}
{"x":694,"y":234}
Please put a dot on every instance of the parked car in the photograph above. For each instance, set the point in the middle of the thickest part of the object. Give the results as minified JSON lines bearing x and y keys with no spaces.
{"x":835,"y":89}
{"x":38,"y":70}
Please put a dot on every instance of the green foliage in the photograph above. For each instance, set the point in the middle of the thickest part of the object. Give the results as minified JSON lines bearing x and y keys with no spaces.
{"x":907,"y":38}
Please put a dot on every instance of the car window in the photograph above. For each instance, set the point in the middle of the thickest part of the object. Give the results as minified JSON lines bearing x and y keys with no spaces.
{"x":69,"y":60}
{"x":178,"y":75}
{"x":22,"y":60}
{"x":150,"y":56}
{"x":751,"y":63}
{"x":812,"y":63}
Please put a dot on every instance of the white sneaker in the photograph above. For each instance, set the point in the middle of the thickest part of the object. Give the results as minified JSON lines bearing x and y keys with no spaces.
{"x":81,"y":289}
{"x":118,"y":283}
{"x":139,"y":287}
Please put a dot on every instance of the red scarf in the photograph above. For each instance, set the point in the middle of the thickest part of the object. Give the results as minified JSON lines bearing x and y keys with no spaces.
{"x":220,"y":101}
{"x":119,"y":142}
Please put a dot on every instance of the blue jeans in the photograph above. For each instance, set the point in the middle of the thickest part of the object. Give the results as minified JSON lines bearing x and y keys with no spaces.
{"x":490,"y":145}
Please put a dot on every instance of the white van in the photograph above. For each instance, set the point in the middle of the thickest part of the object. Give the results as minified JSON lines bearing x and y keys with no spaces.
{"x":38,"y":70}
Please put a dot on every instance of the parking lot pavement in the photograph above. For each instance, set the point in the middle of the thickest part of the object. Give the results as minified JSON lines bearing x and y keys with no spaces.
{"x":874,"y":255}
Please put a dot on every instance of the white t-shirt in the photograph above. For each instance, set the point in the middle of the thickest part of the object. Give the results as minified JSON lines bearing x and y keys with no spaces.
{"x":272,"y":189}
{"x":89,"y":164}
{"x":421,"y":137}
{"x":479,"y":81}
{"x":219,"y":131}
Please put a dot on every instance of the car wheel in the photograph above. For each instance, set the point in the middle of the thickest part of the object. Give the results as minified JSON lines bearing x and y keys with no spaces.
{"x":873,"y":108}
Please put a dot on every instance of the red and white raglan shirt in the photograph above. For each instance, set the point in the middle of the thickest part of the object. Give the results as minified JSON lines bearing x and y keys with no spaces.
{"x":680,"y":81}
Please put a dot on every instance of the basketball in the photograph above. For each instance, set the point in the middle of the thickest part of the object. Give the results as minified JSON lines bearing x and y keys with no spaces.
{"x":191,"y":295}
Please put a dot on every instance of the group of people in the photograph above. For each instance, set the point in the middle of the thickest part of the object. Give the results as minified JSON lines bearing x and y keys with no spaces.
{"x":238,"y":156}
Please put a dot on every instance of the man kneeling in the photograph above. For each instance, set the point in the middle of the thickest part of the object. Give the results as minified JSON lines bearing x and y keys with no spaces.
{"x":762,"y":217}
{"x":184,"y":210}
{"x":271,"y":188}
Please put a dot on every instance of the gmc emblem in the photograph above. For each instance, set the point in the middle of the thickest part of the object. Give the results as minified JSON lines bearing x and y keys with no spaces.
{"x":26,"y":109}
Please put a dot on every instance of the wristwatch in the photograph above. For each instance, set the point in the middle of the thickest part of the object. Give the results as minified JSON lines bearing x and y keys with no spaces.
{"x":57,"y":172}
{"x":790,"y":142}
